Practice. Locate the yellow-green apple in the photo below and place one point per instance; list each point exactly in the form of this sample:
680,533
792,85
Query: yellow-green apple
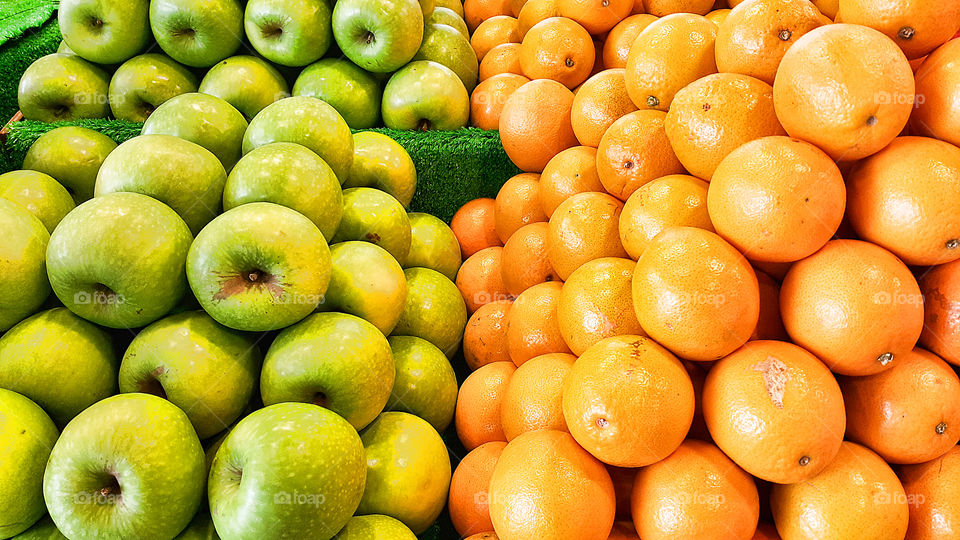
23,270
366,281
425,95
197,33
445,15
39,193
382,163
104,32
289,32
375,527
60,87
446,45
44,529
143,83
375,216
434,311
246,82
454,5
376,37
433,245
72,156
425,385
353,92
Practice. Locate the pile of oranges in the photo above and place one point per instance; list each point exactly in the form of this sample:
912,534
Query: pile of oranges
722,301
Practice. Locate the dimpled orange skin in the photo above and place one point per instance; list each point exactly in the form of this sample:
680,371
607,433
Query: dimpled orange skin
490,96
557,48
777,199
535,394
545,486
851,304
717,16
941,311
596,16
595,303
933,489
776,410
477,416
535,124
677,200
856,496
584,227
535,11
616,47
504,58
526,261
477,11
919,220
480,278
633,151
492,32
917,26
628,401
695,494
751,39
475,226
669,54
695,294
468,498
518,204
598,103
938,81
715,115
847,89
485,337
532,328
662,8
907,414
570,172
829,8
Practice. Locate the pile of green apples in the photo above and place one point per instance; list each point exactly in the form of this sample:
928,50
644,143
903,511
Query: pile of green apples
405,64
244,318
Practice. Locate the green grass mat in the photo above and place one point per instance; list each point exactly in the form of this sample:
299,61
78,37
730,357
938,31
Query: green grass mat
17,55
19,16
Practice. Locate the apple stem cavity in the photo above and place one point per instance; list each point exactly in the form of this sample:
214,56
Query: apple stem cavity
110,492
272,31
424,125
320,399
246,280
368,37
153,386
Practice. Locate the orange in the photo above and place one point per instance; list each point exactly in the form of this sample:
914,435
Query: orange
909,413
557,48
769,325
715,115
856,496
477,415
628,401
477,11
518,204
492,32
669,54
695,294
468,500
623,486
918,220
633,151
933,493
616,47
676,200
480,278
583,228
776,410
917,26
938,81
526,259
474,226
516,6
534,395
572,171
847,89
662,8
485,337
488,535
599,102
755,35
535,124
547,487
854,305
490,96
766,531
776,270
504,58
717,16
829,8
941,327
535,11
695,493
623,530
532,328
777,199
595,303
596,16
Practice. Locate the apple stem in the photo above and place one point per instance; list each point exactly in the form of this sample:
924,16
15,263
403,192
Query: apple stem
369,37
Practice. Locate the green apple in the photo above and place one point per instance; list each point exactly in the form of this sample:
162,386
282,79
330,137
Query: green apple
60,361
204,368
307,121
118,260
60,87
375,216
382,163
434,311
433,245
454,5
378,37
64,49
289,33
449,17
291,175
104,32
375,527
353,92
200,528
45,529
71,155
143,83
405,456
427,7
26,437
425,95
39,193
197,33
291,470
246,82
334,360
185,176
366,281
129,466
258,267
446,45
23,270
201,119
425,384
